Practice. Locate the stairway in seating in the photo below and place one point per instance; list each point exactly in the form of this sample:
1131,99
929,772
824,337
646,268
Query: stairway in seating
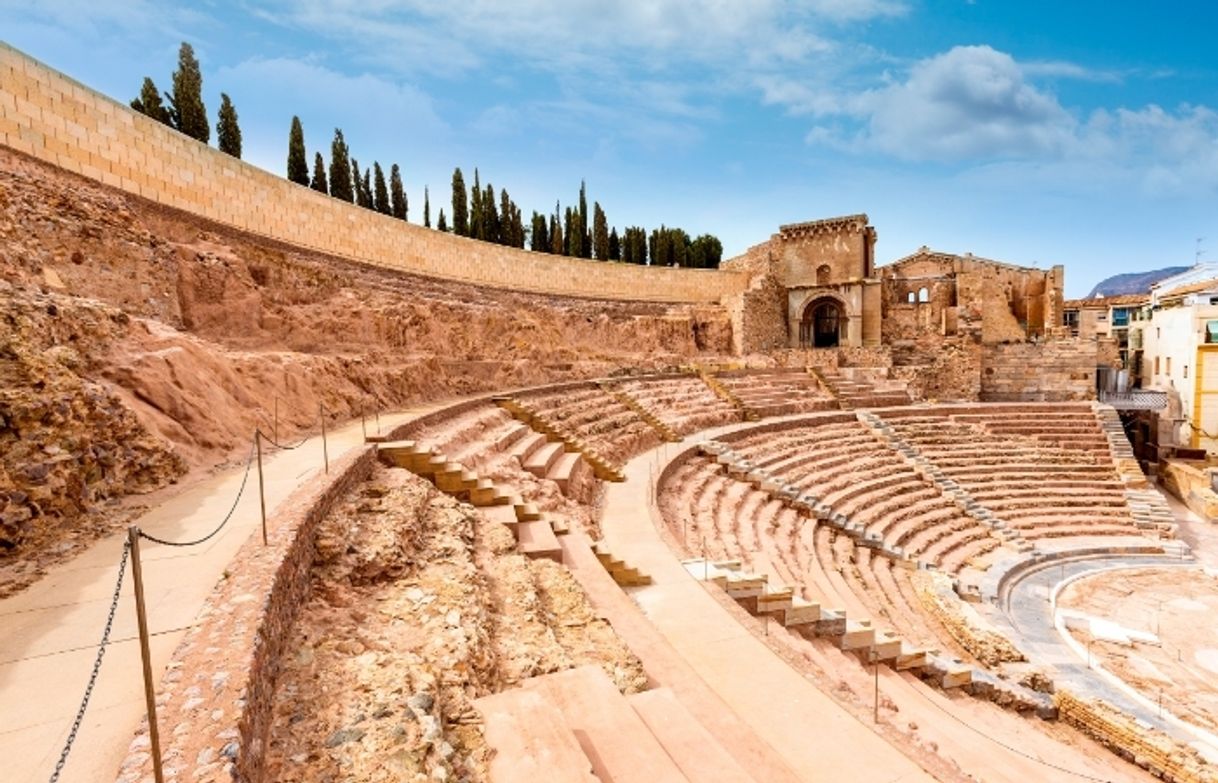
602,468
724,393
624,574
666,433
950,488
810,619
535,533
852,394
575,725
1146,505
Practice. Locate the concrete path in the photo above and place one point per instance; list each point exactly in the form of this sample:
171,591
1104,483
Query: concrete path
815,737
49,633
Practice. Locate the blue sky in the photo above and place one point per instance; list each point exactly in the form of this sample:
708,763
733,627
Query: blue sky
1078,133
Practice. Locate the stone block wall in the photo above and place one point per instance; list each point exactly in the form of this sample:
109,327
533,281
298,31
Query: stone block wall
46,115
215,701
1050,371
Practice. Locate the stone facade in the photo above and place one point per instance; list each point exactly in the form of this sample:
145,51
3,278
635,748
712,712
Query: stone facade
1027,372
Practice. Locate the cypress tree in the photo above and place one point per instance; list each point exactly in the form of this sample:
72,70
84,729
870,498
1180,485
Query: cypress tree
585,247
539,240
556,243
426,209
366,189
186,99
615,246
298,164
460,213
319,174
600,232
441,225
477,224
571,225
491,230
397,194
380,193
356,183
228,132
340,169
149,103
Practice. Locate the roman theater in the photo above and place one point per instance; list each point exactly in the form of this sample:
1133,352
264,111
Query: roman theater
808,516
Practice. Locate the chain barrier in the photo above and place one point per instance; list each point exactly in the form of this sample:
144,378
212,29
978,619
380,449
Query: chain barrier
97,662
248,462
286,447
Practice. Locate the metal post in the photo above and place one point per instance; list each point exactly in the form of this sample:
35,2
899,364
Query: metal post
261,488
275,432
378,420
325,450
875,669
141,615
362,426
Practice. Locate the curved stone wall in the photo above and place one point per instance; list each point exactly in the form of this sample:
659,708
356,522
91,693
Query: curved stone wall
53,118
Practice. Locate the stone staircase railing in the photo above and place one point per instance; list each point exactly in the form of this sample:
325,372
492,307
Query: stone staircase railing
1149,510
666,433
602,468
724,393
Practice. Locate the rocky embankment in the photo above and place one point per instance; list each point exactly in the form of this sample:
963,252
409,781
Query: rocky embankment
139,343
419,606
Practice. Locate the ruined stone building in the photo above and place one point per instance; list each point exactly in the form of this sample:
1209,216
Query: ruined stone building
816,285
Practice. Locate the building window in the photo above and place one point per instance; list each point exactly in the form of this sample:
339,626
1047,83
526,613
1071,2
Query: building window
1211,331
822,274
1186,371
1120,317
923,294
1156,365
912,297
1167,364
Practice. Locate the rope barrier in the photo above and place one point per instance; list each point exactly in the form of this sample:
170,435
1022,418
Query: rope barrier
248,462
97,662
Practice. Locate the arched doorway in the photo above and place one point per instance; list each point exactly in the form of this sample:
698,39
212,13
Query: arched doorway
821,326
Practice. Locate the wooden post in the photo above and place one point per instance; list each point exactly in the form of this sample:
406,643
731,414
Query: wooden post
261,487
325,450
141,615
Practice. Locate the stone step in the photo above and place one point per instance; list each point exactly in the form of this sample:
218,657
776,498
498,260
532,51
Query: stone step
531,740
612,735
696,752
543,458
535,539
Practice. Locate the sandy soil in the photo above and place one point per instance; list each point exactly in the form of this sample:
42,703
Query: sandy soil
1178,606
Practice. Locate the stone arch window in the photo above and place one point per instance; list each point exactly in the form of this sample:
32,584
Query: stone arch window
923,294
912,297
822,274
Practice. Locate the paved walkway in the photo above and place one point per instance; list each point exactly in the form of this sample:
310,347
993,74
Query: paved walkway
817,738
49,633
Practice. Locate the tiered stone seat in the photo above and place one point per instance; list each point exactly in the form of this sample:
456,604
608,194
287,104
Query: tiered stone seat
595,416
684,402
1072,427
1035,486
855,475
777,392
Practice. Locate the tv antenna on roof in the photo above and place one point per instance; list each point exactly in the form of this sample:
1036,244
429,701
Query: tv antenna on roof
1198,252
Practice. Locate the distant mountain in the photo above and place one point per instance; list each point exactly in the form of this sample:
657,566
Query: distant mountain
1133,282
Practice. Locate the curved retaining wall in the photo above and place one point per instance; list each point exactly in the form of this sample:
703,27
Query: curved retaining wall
54,118
215,702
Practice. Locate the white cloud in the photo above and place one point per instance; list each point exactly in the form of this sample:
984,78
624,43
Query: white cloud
971,101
